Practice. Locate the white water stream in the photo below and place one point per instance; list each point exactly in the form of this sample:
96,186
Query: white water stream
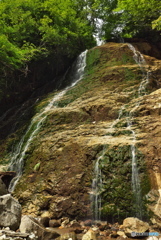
97,180
20,153
96,187
97,35
139,59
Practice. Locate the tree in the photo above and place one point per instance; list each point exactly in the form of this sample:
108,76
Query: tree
33,31
139,17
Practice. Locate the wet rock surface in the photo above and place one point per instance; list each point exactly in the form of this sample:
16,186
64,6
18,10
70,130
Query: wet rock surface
84,124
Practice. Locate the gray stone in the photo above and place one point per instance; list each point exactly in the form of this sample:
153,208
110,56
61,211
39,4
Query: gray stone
10,212
90,235
13,234
132,224
31,225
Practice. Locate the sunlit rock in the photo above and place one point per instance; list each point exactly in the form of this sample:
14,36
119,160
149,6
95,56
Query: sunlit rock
10,212
132,224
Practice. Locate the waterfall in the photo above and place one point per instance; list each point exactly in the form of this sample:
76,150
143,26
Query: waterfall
139,59
96,186
99,24
97,179
20,153
135,176
97,175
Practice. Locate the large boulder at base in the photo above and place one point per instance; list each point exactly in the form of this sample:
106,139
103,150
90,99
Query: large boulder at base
10,212
31,225
90,235
3,189
132,224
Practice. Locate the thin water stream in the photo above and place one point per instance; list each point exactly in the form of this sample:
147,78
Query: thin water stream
139,59
97,179
19,155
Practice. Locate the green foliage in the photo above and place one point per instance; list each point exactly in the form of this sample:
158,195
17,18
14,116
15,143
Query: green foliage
31,31
139,17
36,167
44,24
157,23
128,18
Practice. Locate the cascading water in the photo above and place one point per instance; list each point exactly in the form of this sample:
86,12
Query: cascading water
97,180
97,36
139,59
18,156
96,186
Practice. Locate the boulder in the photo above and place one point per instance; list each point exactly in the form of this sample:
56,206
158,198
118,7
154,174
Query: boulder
3,189
45,221
132,224
10,212
65,221
122,234
68,236
31,225
88,222
90,235
54,223
75,224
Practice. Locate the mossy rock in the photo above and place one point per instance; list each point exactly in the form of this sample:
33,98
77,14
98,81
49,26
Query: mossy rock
118,200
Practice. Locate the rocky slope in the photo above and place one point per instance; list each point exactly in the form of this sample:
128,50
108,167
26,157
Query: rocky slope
97,117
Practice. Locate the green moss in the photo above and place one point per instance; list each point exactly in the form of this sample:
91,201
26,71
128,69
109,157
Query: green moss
118,200
122,132
93,59
99,70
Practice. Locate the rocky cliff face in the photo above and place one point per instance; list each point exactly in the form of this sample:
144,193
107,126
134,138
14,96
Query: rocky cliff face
103,115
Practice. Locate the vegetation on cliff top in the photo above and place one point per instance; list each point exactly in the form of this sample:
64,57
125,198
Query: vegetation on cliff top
39,39
32,31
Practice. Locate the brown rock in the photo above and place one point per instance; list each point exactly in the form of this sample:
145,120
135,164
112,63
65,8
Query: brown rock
90,235
88,222
6,177
67,236
74,135
103,227
3,188
134,225
45,221
54,223
78,230
114,234
75,224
